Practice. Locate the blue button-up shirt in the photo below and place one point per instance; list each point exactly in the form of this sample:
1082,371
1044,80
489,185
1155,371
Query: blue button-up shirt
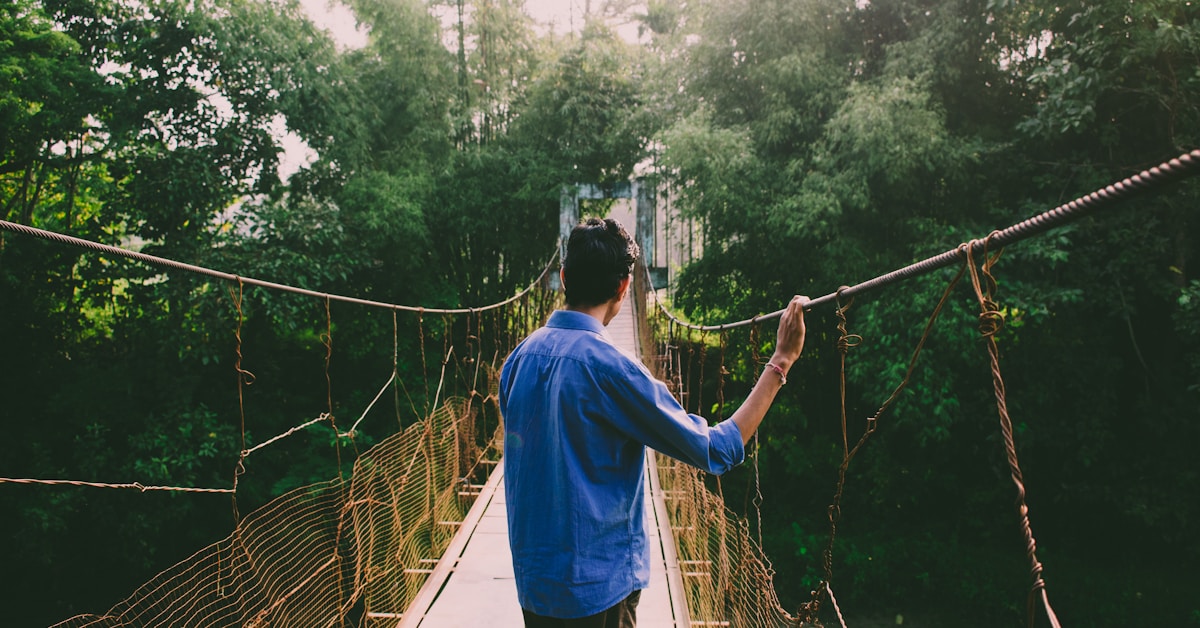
578,413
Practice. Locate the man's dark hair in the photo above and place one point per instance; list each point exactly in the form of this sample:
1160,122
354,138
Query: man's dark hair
600,254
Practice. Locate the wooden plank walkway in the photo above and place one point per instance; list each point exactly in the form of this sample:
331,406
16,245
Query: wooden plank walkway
473,585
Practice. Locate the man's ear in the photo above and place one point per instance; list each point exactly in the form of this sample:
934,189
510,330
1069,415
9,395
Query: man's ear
623,287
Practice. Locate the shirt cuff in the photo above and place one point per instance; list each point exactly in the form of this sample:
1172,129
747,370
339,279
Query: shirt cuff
726,449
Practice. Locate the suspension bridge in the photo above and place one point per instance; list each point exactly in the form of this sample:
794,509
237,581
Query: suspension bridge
415,534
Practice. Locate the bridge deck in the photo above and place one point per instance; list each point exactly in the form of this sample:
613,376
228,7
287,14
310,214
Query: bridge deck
473,583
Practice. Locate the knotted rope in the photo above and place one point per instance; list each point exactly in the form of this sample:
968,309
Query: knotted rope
991,321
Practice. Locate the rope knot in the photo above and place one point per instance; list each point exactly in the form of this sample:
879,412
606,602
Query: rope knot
247,377
1036,573
846,341
991,320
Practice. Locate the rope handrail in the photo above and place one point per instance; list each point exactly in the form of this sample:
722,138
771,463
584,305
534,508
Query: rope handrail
137,485
201,270
1184,165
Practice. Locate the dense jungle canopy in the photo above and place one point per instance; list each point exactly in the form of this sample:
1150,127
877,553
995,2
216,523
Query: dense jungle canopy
815,143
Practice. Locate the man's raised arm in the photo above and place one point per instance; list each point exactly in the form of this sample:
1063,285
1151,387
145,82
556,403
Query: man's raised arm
788,346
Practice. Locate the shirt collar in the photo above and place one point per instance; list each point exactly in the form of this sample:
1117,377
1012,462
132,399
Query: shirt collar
566,319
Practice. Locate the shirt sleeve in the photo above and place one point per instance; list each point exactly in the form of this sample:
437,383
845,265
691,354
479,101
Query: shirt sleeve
645,410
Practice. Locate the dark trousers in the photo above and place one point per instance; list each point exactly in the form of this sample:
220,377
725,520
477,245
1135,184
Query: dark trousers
623,615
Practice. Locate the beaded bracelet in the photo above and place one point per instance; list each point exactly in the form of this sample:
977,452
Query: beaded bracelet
779,371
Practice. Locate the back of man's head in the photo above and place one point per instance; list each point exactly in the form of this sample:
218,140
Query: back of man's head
600,254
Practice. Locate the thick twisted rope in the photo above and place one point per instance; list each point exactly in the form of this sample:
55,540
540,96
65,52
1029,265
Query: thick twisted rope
1187,164
991,320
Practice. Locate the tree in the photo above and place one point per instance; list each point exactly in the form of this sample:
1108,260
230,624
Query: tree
844,141
503,59
582,111
46,84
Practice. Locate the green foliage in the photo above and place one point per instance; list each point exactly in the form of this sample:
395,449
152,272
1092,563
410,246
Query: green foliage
384,211
1121,73
818,143
46,84
874,136
890,131
1187,321
494,76
583,110
402,85
189,446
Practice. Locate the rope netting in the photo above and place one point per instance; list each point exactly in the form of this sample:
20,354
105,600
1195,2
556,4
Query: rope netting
354,550
729,580
336,553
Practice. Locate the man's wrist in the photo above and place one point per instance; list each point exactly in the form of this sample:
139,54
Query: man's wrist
778,370
782,362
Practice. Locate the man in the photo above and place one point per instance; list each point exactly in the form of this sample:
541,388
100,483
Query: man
578,413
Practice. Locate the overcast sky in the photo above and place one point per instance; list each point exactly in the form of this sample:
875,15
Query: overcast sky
340,21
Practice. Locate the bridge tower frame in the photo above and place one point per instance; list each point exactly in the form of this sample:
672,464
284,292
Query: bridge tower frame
642,190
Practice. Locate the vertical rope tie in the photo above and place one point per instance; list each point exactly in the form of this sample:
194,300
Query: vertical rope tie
991,321
700,382
675,362
808,611
471,338
756,361
845,342
396,370
722,341
669,372
691,352
424,367
722,372
327,340
244,378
